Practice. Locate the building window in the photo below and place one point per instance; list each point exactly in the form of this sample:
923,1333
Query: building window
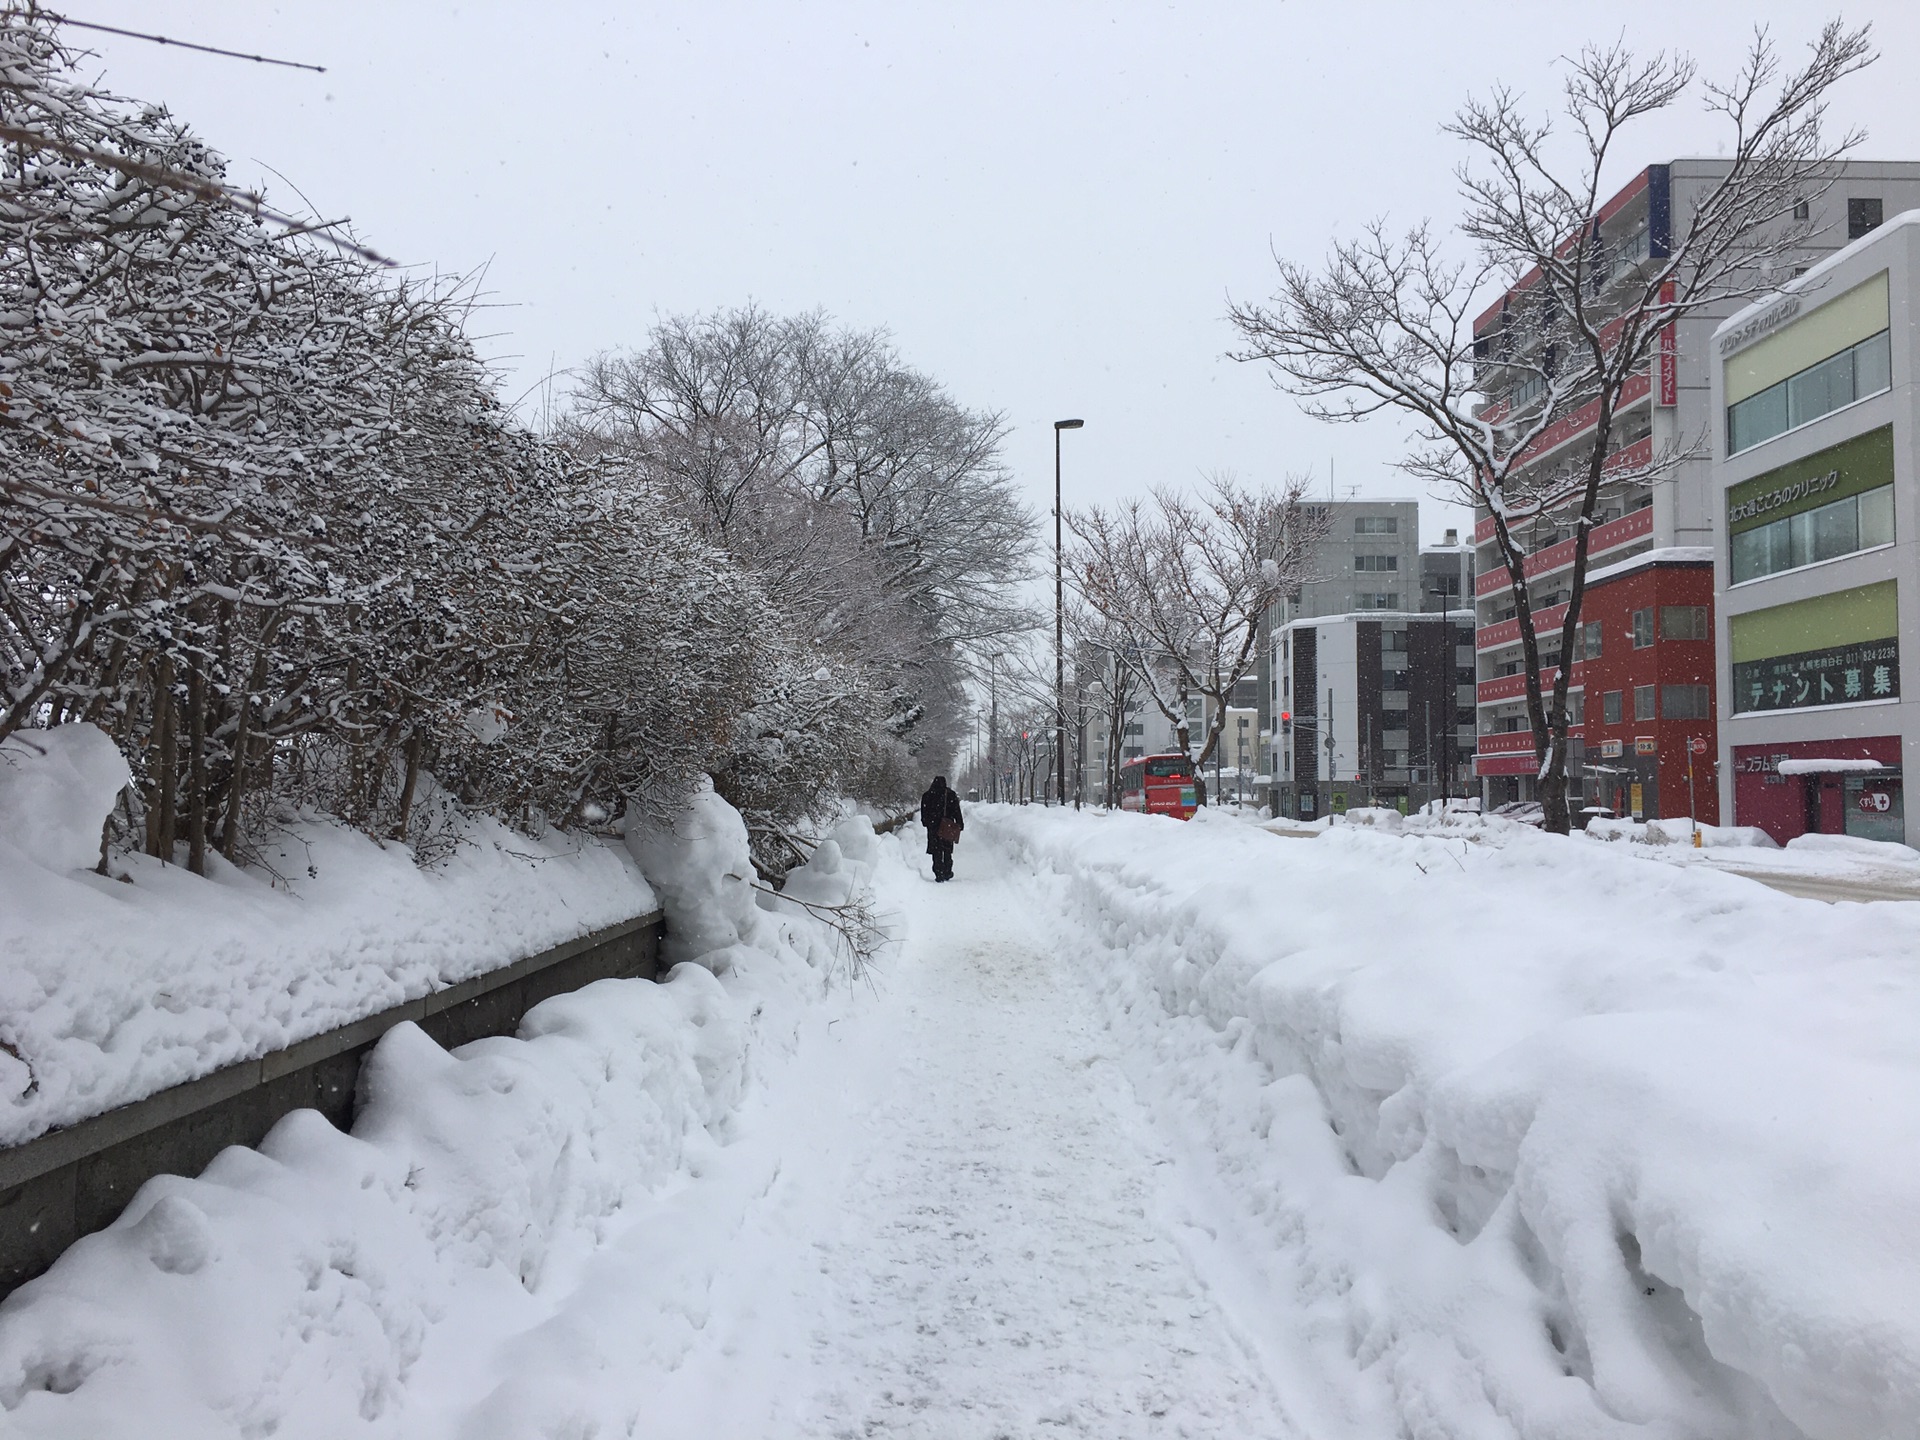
1377,600
1685,702
1610,707
1800,210
1859,522
1577,708
1393,639
1642,629
1376,562
1376,525
1589,644
1858,371
1135,730
1683,622
1863,214
1643,703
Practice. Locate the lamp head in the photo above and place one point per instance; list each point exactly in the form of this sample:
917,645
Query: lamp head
1068,424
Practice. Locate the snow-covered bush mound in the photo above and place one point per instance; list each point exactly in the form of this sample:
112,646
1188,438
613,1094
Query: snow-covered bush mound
1547,1141
115,986
328,1285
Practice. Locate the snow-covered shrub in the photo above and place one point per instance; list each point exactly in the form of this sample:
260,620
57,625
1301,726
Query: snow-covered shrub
269,526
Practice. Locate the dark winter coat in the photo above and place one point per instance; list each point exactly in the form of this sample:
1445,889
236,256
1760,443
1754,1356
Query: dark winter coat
941,802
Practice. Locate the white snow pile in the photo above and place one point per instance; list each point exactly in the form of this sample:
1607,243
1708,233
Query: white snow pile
329,1284
1854,847
1542,1141
114,987
1679,831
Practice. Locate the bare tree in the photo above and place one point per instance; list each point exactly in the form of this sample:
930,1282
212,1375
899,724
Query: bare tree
1386,323
874,512
1179,585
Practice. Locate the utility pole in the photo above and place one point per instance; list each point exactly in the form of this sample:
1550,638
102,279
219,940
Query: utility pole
1059,629
1333,775
1428,757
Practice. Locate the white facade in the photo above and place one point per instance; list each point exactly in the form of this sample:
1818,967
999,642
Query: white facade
1817,544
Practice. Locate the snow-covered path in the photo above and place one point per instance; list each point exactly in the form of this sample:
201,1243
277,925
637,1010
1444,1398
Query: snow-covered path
956,1222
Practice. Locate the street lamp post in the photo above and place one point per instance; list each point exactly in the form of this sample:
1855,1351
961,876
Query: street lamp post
993,724
1059,630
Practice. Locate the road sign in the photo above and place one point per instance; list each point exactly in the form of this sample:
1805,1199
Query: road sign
1698,745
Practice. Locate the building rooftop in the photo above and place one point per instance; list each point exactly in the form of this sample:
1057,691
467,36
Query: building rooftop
1799,284
1668,555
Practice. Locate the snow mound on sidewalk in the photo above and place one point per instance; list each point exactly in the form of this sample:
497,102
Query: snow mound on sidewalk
114,988
56,789
329,1284
1679,831
1546,1141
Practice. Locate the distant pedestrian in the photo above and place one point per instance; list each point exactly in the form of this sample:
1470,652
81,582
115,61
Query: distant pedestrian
940,813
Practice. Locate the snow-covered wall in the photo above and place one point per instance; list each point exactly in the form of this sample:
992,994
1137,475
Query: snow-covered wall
1547,1140
328,1284
115,986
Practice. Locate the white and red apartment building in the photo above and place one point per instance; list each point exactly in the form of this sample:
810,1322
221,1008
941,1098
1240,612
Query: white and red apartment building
1642,688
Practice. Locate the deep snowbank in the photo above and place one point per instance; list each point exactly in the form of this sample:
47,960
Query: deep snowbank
329,1284
113,989
1551,1141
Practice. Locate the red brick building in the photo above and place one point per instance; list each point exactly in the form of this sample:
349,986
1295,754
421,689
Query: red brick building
1646,682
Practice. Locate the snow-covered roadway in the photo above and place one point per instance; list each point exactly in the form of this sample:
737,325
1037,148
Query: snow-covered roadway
955,1221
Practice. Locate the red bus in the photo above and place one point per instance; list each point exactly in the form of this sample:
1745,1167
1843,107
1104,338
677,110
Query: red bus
1159,785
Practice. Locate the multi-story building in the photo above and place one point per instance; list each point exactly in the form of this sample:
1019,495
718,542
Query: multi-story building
1666,528
1816,399
1367,560
1446,575
1367,709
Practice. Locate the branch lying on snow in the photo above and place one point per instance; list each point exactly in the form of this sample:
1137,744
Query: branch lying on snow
853,922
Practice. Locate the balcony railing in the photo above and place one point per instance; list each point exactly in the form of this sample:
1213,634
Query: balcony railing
1635,525
1625,458
1507,632
1512,687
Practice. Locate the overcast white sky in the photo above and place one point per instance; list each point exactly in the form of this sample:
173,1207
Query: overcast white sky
1046,204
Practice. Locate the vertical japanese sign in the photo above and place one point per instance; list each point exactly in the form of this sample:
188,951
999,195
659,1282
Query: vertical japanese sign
1667,364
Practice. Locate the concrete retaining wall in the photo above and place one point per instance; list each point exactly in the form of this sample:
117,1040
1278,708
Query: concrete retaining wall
71,1182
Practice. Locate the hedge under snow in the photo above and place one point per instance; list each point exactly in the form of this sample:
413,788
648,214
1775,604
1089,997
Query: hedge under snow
113,988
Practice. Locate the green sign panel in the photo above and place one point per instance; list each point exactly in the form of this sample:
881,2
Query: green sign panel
1861,464
1838,675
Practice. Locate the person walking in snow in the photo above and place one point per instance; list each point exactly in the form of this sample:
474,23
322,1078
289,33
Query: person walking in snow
940,814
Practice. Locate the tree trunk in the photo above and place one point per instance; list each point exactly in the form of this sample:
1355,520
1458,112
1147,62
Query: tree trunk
197,770
163,812
406,789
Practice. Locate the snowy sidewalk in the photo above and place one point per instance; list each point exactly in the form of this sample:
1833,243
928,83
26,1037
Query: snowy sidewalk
967,1227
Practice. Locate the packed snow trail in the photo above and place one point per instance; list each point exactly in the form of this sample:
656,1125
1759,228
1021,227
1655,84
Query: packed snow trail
969,1228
